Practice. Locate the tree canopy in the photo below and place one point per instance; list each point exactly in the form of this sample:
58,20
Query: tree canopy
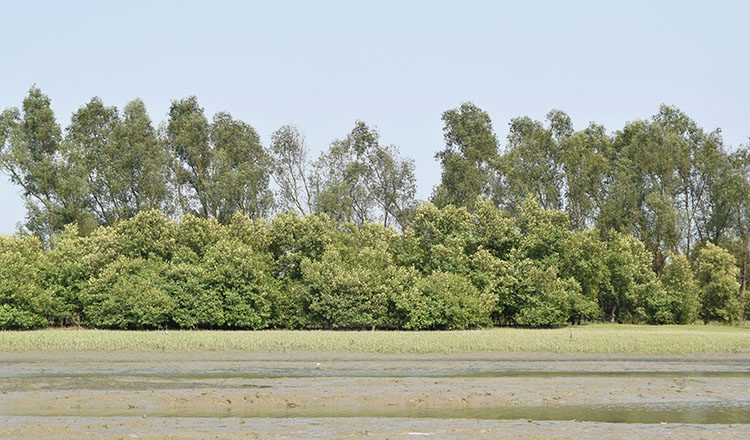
195,223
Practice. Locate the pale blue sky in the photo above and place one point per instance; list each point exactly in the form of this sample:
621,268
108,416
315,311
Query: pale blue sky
396,65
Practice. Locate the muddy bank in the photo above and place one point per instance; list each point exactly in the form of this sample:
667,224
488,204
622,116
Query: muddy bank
363,428
304,395
380,397
15,364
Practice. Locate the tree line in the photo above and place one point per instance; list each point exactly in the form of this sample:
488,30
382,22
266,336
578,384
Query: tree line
195,224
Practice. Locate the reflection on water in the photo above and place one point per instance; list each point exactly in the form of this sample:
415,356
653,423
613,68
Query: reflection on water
635,413
649,413
278,373
705,413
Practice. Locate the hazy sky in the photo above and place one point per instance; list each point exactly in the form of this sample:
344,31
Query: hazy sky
396,65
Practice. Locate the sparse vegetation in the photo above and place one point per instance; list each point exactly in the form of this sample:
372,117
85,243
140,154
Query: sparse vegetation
597,338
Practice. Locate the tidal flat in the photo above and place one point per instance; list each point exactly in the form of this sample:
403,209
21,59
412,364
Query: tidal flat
258,395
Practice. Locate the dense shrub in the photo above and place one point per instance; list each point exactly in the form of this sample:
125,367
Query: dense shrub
544,233
451,269
716,272
679,302
591,224
445,301
438,239
292,238
69,266
631,282
495,230
150,234
24,303
130,293
253,233
354,283
196,304
195,235
240,278
584,259
536,297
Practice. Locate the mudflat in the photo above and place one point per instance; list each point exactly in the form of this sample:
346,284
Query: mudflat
227,395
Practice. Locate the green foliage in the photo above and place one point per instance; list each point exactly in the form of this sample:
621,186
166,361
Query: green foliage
254,233
291,170
31,155
220,167
143,181
293,238
150,234
445,301
357,180
716,272
196,304
495,230
354,283
129,293
471,150
584,258
24,303
241,278
536,297
543,232
195,235
438,239
631,281
69,266
120,165
108,166
648,224
240,170
450,269
680,301
532,164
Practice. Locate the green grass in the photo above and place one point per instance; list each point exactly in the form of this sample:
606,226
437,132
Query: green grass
599,338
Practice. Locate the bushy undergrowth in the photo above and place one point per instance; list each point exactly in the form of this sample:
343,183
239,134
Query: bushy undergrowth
450,269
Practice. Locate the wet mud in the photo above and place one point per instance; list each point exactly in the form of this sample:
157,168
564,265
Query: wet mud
334,395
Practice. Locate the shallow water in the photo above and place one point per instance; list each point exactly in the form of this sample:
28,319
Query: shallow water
700,394
700,413
312,373
663,413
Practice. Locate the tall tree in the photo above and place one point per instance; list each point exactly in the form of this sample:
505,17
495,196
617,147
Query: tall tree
468,157
646,185
339,178
291,169
240,170
737,192
187,136
670,184
221,167
360,180
587,162
701,167
30,154
144,162
90,149
532,163
122,165
392,182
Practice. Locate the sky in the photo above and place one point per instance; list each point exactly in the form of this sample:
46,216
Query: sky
397,65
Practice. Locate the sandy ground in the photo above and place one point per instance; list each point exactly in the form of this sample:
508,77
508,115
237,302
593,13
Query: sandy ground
327,395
